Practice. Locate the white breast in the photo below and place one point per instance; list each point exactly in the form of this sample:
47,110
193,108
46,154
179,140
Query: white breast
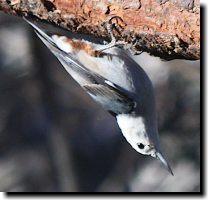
112,69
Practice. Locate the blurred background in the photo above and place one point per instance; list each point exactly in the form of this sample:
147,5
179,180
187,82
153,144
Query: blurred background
55,138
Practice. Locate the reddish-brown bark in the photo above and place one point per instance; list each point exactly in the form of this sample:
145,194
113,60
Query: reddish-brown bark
166,28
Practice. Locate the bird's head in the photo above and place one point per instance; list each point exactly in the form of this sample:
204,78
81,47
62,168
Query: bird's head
142,138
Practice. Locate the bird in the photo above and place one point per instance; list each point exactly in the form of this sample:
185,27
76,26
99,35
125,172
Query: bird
115,81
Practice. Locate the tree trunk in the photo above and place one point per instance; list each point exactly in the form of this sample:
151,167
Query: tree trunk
169,29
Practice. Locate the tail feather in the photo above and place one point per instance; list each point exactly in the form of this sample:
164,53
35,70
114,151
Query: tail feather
39,31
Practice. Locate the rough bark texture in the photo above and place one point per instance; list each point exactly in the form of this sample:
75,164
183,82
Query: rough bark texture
166,28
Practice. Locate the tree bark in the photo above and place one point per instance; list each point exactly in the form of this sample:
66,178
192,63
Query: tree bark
169,29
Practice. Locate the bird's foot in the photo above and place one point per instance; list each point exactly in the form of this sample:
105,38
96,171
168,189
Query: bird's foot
110,26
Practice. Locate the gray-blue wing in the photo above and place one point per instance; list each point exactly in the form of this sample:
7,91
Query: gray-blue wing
112,97
103,91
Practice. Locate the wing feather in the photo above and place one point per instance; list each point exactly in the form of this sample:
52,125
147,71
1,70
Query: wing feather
112,97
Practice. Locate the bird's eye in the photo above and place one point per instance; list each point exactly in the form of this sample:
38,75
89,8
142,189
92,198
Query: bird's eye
141,146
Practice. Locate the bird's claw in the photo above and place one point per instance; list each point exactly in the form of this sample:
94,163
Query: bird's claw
110,27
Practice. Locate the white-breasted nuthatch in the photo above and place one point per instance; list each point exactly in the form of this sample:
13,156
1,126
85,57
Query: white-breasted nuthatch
113,79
